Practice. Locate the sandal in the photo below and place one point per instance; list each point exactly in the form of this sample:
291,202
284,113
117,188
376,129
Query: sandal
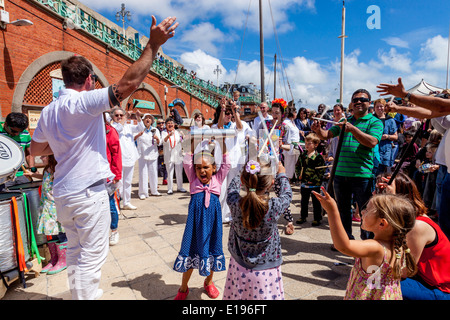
211,290
182,295
289,229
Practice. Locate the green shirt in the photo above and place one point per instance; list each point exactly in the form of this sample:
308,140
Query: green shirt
356,160
23,139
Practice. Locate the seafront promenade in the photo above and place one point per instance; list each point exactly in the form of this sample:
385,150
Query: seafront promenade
139,267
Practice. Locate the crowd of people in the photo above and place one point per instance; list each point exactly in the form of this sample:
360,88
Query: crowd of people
375,166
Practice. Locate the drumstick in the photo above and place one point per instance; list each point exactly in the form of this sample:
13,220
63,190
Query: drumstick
265,142
28,177
320,119
322,167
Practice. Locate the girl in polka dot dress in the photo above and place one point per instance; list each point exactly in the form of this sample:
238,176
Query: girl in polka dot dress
201,247
254,271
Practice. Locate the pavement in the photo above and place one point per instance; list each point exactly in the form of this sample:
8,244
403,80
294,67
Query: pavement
139,267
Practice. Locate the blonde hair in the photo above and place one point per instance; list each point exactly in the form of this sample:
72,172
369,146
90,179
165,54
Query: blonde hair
381,100
401,216
253,206
314,138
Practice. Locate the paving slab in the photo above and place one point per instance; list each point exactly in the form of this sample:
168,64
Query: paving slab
139,267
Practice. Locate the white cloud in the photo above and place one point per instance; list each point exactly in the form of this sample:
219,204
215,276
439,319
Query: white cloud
204,36
434,53
306,71
395,60
396,42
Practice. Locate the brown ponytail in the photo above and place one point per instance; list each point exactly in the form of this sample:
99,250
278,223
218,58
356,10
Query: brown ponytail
253,206
401,215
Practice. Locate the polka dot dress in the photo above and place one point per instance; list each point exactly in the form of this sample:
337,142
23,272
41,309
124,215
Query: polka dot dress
201,247
248,284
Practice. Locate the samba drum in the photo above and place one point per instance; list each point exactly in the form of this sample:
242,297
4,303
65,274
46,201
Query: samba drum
217,133
12,251
11,158
33,199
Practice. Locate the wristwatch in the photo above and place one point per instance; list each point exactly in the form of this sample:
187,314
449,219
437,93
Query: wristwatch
33,169
406,98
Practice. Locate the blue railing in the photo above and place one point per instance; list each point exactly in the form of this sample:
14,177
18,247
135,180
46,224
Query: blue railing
203,90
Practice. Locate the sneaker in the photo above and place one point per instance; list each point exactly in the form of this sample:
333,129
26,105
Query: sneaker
157,194
300,221
98,294
129,206
164,182
182,190
114,238
142,197
169,192
315,223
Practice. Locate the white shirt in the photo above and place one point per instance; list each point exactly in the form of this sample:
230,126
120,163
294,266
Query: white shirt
173,152
126,136
233,146
257,122
147,145
292,135
73,127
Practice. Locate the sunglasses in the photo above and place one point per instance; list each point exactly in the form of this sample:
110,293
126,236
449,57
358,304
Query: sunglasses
356,100
14,131
94,77
118,115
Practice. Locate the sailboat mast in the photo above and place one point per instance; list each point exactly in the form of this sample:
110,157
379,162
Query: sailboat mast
342,36
448,55
275,78
261,50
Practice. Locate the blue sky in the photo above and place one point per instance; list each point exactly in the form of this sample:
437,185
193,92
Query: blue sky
411,42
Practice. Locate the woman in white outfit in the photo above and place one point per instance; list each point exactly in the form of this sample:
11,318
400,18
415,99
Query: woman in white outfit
148,141
126,132
173,157
292,135
226,112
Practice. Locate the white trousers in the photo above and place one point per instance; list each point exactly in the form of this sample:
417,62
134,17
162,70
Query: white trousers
86,219
148,176
289,163
178,168
127,178
226,212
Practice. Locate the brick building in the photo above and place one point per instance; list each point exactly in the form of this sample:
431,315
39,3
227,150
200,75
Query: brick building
30,76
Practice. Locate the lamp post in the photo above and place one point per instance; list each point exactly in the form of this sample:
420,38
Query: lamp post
217,71
120,15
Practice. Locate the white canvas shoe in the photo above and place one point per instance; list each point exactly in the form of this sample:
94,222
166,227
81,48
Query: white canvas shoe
129,206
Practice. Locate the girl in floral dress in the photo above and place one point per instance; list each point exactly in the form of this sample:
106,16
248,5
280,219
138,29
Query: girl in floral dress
254,271
48,223
379,262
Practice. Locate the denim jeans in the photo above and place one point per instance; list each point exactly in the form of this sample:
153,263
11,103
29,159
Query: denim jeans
444,207
347,190
114,208
416,289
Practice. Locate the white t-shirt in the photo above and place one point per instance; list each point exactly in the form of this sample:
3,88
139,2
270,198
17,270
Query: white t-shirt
73,127
147,145
126,136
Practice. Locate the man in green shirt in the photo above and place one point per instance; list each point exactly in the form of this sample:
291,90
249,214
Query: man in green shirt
353,176
14,127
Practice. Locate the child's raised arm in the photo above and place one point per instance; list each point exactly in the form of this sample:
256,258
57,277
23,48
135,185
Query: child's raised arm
353,248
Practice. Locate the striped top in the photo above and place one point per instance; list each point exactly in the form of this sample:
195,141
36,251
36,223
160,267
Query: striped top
356,160
23,139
